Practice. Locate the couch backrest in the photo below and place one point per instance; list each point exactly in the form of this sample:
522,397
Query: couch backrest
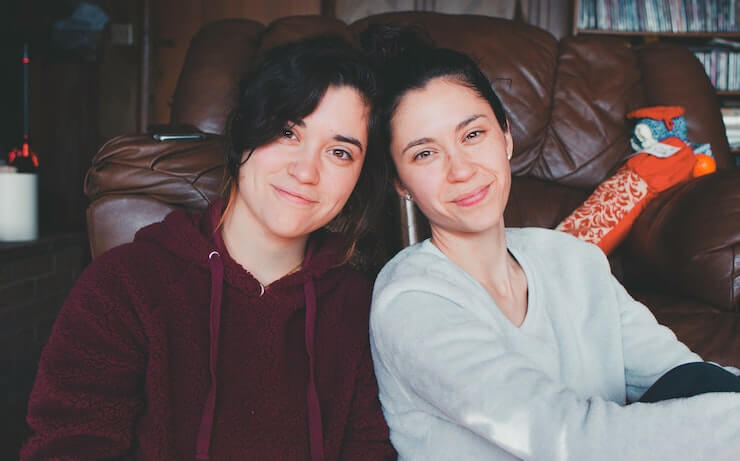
566,102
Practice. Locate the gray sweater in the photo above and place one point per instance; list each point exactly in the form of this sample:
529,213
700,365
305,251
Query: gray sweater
458,381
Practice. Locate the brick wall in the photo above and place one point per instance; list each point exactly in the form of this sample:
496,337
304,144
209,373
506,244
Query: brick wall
35,278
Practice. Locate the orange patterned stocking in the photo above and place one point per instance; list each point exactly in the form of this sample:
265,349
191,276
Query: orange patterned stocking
607,215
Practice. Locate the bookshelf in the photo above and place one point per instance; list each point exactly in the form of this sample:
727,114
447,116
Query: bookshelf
710,28
662,17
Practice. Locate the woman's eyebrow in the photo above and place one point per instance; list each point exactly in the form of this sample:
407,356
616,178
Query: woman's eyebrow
416,143
339,137
350,140
459,127
467,121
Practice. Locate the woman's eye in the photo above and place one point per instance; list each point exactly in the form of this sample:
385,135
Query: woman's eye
422,155
288,133
341,154
474,134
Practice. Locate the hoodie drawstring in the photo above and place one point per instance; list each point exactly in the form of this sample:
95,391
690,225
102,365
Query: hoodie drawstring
209,408
315,429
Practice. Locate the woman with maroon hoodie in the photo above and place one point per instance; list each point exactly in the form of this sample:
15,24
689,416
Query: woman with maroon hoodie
238,333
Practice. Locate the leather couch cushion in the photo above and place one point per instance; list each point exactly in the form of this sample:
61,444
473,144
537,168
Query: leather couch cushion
294,28
110,221
217,58
710,332
687,241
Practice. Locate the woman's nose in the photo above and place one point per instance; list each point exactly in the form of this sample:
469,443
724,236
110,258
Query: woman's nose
305,167
459,167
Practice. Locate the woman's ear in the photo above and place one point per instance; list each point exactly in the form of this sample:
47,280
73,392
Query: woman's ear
401,190
509,144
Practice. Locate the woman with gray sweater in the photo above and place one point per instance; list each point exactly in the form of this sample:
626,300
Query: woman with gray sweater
495,343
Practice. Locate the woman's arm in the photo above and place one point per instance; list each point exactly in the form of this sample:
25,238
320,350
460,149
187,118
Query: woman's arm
650,349
367,436
435,356
89,387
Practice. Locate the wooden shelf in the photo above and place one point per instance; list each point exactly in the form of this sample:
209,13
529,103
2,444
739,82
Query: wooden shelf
639,33
688,39
645,33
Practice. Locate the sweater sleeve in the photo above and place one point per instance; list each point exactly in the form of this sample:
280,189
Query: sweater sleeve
367,436
89,386
438,358
650,349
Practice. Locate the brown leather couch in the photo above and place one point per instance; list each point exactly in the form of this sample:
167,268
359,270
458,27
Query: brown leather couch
566,101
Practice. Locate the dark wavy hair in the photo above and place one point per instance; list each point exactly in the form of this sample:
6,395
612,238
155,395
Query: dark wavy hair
407,60
287,84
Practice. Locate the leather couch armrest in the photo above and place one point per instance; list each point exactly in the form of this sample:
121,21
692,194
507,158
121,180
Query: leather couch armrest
687,241
186,173
136,180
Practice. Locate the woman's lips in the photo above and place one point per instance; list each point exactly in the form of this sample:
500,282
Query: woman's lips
293,196
474,197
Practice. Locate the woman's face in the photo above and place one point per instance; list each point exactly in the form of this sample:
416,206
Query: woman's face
452,156
300,181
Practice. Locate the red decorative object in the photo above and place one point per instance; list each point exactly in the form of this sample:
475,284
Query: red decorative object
664,113
23,158
704,165
606,217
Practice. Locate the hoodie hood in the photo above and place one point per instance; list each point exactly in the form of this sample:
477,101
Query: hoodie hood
191,237
195,239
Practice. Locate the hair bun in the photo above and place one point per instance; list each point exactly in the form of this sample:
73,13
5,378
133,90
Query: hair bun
385,43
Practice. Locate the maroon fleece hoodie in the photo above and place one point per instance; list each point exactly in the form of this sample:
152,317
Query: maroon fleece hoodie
166,347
